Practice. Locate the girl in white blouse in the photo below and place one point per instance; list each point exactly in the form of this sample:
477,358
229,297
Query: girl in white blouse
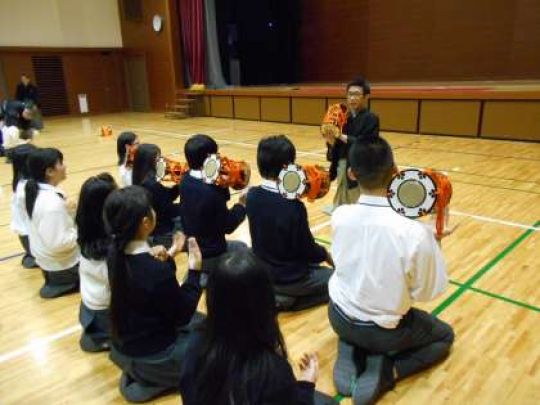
94,242
124,141
19,216
51,231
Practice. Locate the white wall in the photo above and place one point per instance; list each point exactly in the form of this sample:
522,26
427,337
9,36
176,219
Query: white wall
60,23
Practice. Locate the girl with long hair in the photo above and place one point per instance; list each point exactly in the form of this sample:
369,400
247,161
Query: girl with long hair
162,197
239,356
94,242
19,216
123,142
52,233
150,310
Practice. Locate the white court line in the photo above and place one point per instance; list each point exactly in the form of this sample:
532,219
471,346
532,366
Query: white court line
222,141
495,221
321,154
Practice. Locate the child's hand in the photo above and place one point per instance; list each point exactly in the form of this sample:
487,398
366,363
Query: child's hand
178,244
160,253
194,255
243,197
309,367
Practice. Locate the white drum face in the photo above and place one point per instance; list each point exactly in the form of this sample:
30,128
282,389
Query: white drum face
412,193
211,168
161,169
292,182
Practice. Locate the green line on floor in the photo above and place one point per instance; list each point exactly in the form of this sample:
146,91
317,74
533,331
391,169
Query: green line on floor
473,279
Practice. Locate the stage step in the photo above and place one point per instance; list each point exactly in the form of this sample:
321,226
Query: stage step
185,100
176,114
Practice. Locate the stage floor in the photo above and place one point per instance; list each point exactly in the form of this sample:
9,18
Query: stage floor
486,109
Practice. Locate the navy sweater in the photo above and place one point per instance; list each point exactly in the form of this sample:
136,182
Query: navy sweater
205,215
156,306
280,235
162,202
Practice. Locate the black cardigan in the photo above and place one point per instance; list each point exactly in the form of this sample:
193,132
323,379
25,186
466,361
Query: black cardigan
205,215
162,201
280,235
365,125
156,305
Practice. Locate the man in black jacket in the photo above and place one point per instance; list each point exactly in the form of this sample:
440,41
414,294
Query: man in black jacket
27,93
361,124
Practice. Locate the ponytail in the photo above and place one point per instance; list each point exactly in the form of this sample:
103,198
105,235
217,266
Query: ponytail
124,139
39,160
144,165
117,272
19,159
31,190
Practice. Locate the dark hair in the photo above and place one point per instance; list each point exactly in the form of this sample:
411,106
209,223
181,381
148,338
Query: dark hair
39,160
19,160
273,153
197,149
242,333
144,164
123,212
124,139
91,235
360,82
372,162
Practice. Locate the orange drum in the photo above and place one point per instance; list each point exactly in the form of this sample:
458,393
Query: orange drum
225,172
444,195
169,169
311,181
105,131
415,193
333,122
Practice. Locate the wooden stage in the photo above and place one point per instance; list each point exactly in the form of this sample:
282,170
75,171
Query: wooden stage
493,301
496,110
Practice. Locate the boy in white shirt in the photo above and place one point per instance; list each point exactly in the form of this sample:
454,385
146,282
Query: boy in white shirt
384,263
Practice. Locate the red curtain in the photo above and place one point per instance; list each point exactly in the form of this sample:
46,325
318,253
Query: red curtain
192,21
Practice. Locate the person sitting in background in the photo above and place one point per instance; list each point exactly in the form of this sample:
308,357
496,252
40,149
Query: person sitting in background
280,233
94,243
17,124
19,215
238,356
150,311
162,197
52,232
124,141
203,207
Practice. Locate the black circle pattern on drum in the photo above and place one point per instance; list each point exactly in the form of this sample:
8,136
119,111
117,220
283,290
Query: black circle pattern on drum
292,182
161,169
412,193
211,168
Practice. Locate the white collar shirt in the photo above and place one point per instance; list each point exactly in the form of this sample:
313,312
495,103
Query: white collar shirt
384,262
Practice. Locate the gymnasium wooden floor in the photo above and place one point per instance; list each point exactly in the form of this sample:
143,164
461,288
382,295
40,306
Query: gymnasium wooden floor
493,260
